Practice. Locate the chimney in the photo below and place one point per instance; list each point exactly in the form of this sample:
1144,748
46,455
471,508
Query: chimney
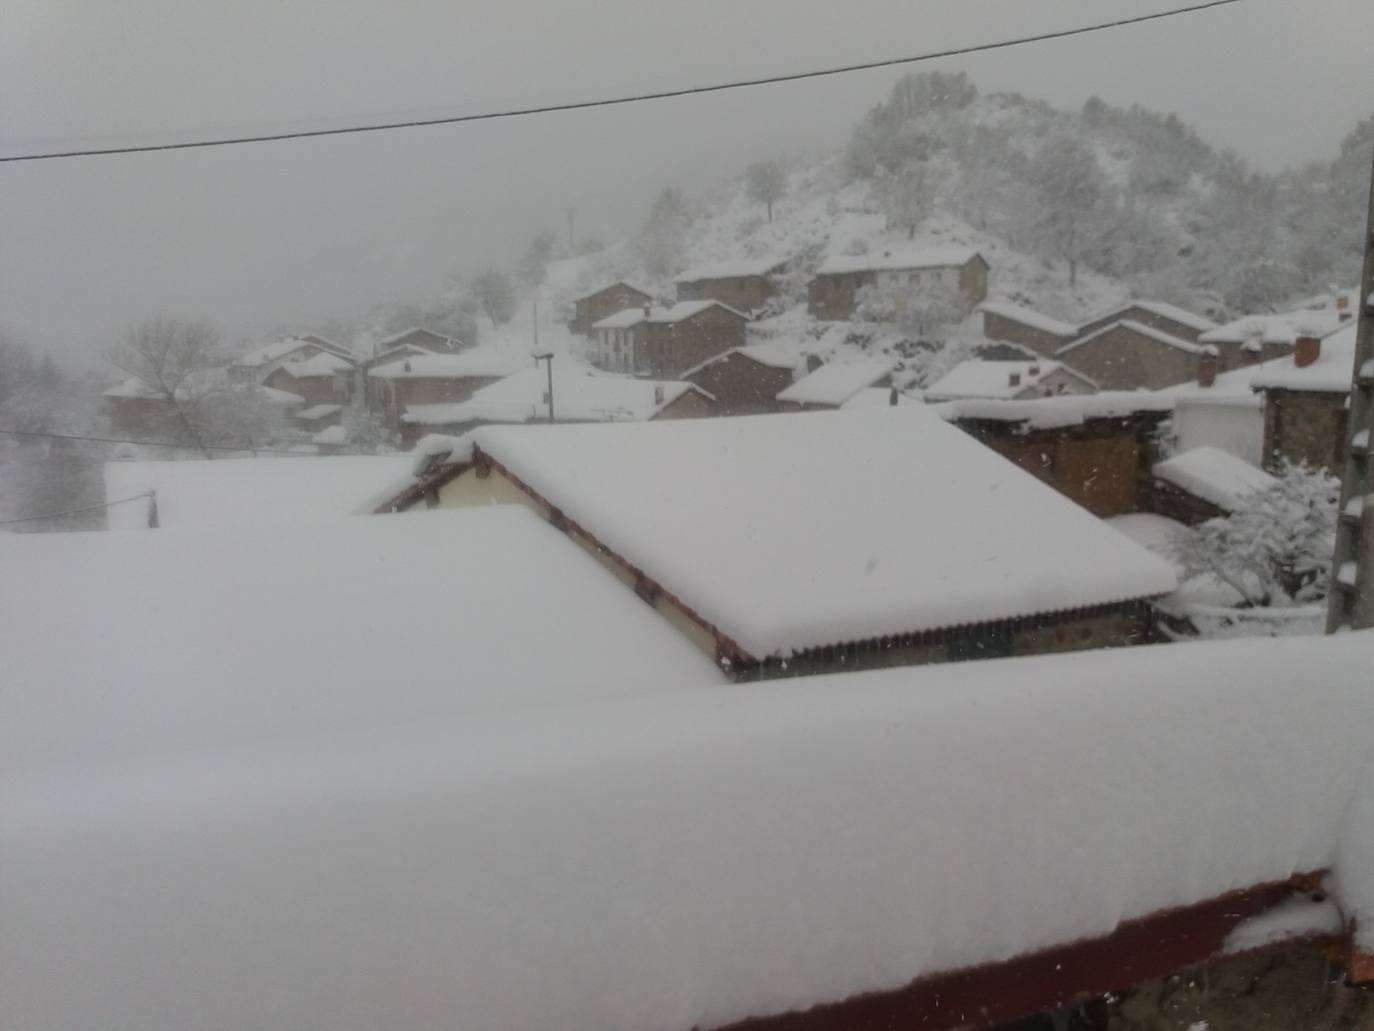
646,311
1207,367
1342,301
813,362
892,397
1013,379
1306,350
658,393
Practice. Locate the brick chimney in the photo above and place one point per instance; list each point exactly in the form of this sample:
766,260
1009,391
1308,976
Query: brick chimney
1013,379
1305,350
892,397
1207,367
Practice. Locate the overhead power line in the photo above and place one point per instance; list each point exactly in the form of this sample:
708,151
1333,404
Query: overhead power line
578,105
74,511
156,443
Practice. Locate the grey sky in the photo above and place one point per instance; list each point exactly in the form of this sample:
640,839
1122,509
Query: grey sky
294,232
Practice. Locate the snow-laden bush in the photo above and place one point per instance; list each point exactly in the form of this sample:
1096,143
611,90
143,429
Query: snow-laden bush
1275,550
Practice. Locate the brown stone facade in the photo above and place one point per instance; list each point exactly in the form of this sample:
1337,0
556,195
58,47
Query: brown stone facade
743,293
742,386
1103,464
1121,358
833,296
665,350
1042,342
1307,427
313,390
604,303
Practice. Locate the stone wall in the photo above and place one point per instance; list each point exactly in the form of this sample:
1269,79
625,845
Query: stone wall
1305,426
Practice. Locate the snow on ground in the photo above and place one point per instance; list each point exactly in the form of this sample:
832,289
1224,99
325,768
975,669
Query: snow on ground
183,640
790,532
686,859
246,492
1214,475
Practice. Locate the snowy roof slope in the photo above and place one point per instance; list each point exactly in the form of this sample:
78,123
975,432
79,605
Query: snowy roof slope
269,353
322,364
739,268
1214,475
244,492
1231,387
269,633
481,363
318,411
1051,412
978,377
628,317
876,397
834,383
1275,329
791,532
331,435
1135,327
689,859
897,258
578,396
1330,373
1169,311
1029,317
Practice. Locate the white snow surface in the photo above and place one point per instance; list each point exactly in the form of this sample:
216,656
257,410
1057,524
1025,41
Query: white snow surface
1295,919
318,411
1214,475
1158,335
1330,373
579,395
1043,413
331,435
686,859
834,383
795,531
628,317
1029,317
480,362
244,492
897,257
1156,532
738,268
979,377
183,640
1275,329
1165,310
877,397
268,353
1231,387
322,364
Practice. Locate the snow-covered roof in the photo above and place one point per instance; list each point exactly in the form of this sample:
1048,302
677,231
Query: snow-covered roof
736,269
1330,373
792,532
1029,317
246,492
322,364
877,397
683,860
1045,413
318,412
979,377
1283,328
198,383
897,258
268,633
396,338
1163,309
1231,387
331,435
268,353
479,363
1214,475
834,383
1157,335
274,396
628,317
1158,533
578,396
612,286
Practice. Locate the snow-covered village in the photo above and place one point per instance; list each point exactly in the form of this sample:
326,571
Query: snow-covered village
896,560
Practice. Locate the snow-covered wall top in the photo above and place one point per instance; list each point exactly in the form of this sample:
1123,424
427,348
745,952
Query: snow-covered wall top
835,382
1214,475
798,531
688,859
1052,412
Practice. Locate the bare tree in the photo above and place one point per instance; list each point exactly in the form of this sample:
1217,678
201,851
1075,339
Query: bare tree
766,181
908,196
493,291
167,356
1071,188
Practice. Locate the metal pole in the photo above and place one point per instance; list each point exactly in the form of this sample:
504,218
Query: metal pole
1351,605
548,364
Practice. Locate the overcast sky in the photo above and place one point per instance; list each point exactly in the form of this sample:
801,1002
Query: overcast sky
260,235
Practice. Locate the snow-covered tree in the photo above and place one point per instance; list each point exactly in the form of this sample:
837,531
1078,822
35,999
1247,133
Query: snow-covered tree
533,266
1071,187
765,182
495,295
662,234
1276,548
908,196
171,357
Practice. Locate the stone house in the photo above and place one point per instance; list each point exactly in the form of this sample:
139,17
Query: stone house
745,285
323,378
783,546
1009,380
1168,318
1255,339
422,338
257,365
1197,485
1017,325
428,379
1306,399
747,380
1098,450
1131,356
666,342
605,302
958,273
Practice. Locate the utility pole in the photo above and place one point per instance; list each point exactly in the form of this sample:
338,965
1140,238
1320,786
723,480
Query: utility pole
1352,571
542,355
